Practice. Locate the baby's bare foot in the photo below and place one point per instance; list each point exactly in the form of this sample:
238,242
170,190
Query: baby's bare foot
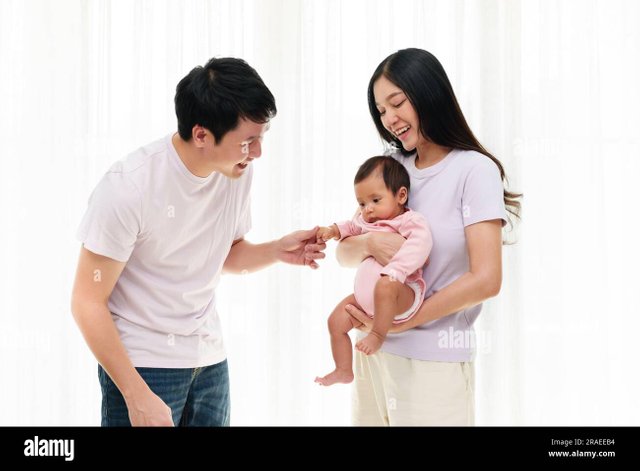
336,376
370,344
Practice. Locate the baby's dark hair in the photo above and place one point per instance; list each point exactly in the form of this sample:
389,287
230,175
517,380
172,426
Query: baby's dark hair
394,174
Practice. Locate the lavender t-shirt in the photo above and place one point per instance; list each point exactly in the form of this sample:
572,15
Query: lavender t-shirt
462,189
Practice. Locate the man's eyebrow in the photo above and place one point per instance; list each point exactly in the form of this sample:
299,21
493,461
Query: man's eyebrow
390,96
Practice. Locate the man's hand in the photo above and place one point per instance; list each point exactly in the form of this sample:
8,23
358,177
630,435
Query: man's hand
148,410
300,248
326,233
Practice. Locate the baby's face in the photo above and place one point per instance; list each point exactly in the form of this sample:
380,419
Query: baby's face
376,200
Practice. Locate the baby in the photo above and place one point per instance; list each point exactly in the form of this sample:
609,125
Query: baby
394,292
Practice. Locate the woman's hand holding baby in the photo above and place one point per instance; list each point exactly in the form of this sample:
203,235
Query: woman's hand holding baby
383,246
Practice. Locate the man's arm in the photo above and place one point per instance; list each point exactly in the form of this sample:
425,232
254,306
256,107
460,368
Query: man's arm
297,248
245,257
95,278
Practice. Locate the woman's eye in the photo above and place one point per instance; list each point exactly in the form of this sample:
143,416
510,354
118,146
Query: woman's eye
381,112
398,105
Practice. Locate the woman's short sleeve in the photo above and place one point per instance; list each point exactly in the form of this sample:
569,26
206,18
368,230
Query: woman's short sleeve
483,194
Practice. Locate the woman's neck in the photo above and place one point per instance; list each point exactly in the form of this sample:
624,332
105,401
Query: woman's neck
430,153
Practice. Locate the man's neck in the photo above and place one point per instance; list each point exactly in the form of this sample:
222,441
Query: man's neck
191,157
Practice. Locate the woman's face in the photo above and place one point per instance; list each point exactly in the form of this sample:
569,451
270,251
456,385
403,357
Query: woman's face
397,113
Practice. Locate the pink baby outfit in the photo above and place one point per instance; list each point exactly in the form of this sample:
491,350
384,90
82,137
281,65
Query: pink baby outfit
405,266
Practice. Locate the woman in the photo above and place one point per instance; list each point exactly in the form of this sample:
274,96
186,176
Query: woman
423,374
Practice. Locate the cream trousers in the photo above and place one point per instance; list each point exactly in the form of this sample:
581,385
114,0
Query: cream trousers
393,390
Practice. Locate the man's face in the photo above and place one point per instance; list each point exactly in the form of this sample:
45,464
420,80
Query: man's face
237,148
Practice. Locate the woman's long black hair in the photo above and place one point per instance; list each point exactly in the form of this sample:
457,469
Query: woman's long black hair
423,80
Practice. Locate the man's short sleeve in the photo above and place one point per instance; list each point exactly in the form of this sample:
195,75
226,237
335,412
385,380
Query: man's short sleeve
112,222
482,195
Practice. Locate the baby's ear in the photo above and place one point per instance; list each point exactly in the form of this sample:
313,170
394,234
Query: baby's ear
402,195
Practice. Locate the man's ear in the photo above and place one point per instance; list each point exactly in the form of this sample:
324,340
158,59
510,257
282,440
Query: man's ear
199,135
402,195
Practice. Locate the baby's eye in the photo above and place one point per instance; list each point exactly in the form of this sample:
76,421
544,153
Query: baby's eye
361,205
376,200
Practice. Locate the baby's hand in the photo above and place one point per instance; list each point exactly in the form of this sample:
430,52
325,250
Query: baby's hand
326,233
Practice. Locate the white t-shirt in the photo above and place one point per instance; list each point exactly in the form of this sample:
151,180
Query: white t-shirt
174,230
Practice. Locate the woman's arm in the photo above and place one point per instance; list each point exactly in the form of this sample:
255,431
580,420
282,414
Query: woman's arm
380,245
352,250
481,282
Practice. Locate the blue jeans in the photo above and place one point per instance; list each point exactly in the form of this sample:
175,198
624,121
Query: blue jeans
198,397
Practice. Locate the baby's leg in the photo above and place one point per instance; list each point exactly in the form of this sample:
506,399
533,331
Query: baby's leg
340,323
391,298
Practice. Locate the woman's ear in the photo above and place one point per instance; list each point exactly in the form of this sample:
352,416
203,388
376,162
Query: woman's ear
402,195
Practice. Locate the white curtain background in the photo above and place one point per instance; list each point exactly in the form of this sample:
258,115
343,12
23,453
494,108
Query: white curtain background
549,86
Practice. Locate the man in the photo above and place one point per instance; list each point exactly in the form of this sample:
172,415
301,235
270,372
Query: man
161,226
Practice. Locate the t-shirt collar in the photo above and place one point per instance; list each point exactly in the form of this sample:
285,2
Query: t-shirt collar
433,169
181,167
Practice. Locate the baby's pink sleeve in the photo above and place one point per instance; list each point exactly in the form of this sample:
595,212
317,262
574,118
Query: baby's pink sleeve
414,252
348,229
